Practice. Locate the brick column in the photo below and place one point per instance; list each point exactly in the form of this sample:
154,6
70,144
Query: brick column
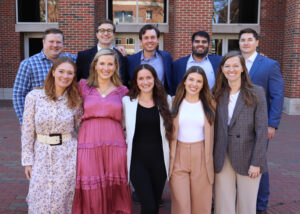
77,21
185,18
291,57
10,43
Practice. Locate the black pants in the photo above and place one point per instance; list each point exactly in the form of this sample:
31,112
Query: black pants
148,180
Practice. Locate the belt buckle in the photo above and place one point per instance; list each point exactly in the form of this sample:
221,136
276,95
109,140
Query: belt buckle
60,139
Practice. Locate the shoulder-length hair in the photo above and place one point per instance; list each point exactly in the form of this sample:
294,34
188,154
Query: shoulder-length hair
74,98
222,83
159,97
205,95
92,80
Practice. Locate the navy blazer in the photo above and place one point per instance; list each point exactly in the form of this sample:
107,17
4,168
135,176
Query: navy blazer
85,58
134,60
180,67
266,73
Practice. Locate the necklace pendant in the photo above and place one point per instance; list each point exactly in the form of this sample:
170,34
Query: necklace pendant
103,95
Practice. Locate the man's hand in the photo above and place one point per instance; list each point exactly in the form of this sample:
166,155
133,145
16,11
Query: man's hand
271,132
254,171
28,170
122,50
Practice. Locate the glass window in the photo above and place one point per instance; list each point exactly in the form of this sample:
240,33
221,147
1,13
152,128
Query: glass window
37,11
118,41
235,11
141,11
149,15
217,47
123,17
130,41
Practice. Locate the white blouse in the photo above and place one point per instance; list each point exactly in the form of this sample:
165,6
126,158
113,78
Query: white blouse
232,101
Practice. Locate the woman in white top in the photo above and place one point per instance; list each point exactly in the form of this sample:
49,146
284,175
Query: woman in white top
191,163
240,137
149,127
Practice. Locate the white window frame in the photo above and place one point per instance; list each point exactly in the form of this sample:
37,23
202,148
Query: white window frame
27,36
135,27
236,27
225,38
34,26
150,14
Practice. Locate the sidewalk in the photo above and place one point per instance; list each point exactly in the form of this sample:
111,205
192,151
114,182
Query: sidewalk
283,156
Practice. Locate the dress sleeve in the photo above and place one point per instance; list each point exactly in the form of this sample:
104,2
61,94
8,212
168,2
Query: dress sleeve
28,130
124,91
82,87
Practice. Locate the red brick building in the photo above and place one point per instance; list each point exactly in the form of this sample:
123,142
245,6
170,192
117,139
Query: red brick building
22,24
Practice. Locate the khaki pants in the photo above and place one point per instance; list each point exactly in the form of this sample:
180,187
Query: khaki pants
235,193
191,192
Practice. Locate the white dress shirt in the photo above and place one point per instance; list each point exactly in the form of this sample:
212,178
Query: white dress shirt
250,60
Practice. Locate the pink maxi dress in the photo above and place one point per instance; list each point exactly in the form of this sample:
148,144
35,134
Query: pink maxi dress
101,178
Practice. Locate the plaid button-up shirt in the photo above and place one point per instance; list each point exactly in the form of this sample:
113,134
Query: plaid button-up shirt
31,74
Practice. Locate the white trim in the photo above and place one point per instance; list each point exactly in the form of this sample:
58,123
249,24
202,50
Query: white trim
26,41
35,27
291,106
225,38
233,28
5,93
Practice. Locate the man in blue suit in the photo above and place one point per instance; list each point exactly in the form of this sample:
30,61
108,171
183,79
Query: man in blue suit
105,35
160,60
198,57
266,73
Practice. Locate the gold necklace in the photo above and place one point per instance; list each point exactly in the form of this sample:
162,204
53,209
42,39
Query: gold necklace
102,93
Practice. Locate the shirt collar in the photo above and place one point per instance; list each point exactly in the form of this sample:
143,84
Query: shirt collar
99,48
63,97
43,56
252,57
191,59
155,55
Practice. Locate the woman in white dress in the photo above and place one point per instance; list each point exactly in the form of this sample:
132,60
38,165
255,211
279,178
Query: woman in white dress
49,140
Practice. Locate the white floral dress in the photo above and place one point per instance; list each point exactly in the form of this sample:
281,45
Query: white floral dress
52,183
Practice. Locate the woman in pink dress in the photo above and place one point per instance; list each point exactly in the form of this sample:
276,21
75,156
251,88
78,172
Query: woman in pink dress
101,180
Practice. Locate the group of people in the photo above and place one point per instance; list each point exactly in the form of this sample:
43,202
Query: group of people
94,127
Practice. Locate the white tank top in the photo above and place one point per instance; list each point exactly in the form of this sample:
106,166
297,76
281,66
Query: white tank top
191,122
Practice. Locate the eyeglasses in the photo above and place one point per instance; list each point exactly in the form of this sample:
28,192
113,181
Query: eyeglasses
102,30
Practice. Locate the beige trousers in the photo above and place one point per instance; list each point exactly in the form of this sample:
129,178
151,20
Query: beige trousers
191,192
235,193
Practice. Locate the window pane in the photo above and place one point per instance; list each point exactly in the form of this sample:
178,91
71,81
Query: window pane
243,11
233,44
35,45
220,11
123,11
158,8
30,11
52,11
123,16
217,47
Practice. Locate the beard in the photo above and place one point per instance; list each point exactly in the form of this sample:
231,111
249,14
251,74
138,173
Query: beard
199,55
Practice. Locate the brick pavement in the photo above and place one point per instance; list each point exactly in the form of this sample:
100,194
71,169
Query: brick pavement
283,156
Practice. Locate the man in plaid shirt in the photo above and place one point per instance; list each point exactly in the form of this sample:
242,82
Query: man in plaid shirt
33,71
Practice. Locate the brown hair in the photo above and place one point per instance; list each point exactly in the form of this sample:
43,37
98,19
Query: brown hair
106,21
53,31
246,84
72,91
93,78
159,97
205,95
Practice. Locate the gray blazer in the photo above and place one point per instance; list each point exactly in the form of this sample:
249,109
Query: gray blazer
245,139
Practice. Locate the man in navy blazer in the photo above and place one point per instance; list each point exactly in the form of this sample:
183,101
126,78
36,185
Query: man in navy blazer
105,35
160,60
198,57
266,73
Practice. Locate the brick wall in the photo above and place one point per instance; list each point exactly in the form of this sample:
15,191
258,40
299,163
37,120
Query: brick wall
187,17
272,15
77,21
10,54
291,49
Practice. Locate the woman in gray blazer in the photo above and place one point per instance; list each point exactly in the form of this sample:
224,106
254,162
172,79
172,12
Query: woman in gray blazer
240,137
149,127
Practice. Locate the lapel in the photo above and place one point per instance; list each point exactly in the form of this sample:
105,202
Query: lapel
223,109
93,52
237,109
255,66
132,118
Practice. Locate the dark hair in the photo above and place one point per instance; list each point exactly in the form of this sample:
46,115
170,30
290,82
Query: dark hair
72,91
159,97
246,84
148,27
249,30
93,77
53,31
202,34
205,95
107,21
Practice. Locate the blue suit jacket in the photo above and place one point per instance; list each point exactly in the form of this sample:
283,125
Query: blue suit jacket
135,60
180,67
266,73
85,58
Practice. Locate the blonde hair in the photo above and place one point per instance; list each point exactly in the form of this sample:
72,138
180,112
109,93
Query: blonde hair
93,78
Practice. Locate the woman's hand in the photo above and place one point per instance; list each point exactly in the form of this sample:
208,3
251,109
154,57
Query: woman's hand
28,170
254,171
